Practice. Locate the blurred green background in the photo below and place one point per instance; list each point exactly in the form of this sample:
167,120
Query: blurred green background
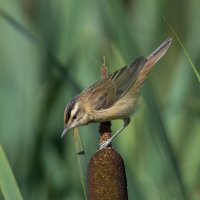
51,50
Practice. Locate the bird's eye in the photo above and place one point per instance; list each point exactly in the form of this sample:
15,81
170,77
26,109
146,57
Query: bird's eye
75,116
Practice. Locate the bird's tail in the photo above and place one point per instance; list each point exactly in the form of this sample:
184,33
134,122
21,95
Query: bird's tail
156,55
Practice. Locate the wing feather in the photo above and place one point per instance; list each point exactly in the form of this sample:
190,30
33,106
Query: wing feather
107,91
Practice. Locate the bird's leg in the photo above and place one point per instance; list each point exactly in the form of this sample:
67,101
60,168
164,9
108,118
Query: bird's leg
107,142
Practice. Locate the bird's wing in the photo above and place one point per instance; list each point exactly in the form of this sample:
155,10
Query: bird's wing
106,92
124,78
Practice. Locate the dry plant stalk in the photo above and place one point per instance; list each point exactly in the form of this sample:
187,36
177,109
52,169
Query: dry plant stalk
106,169
104,128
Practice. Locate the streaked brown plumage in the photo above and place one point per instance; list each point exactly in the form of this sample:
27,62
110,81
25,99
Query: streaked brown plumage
113,97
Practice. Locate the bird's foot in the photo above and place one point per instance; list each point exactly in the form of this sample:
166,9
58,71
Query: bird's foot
105,143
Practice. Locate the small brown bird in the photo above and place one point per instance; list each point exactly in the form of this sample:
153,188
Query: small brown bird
113,97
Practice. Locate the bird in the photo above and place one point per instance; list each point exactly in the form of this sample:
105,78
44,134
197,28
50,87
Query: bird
113,97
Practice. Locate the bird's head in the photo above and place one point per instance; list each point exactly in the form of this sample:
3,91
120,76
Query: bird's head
74,115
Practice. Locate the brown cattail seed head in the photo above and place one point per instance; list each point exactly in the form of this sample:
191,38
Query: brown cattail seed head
106,176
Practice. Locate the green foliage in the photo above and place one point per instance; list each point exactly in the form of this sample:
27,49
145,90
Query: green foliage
81,158
52,50
185,51
8,185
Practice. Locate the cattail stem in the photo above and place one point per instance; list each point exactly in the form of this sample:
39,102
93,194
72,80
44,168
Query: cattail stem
106,169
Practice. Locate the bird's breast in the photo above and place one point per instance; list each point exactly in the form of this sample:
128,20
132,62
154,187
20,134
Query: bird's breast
123,108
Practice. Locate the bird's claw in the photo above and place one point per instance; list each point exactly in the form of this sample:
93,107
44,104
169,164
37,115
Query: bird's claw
104,144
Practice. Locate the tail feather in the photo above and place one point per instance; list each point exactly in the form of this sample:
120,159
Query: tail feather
156,55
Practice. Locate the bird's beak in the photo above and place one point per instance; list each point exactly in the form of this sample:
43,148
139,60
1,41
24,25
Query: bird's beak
64,131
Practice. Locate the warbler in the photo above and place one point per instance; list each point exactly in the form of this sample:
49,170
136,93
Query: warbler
113,97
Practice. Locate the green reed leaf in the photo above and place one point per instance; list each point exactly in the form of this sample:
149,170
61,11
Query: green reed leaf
82,162
8,185
184,49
